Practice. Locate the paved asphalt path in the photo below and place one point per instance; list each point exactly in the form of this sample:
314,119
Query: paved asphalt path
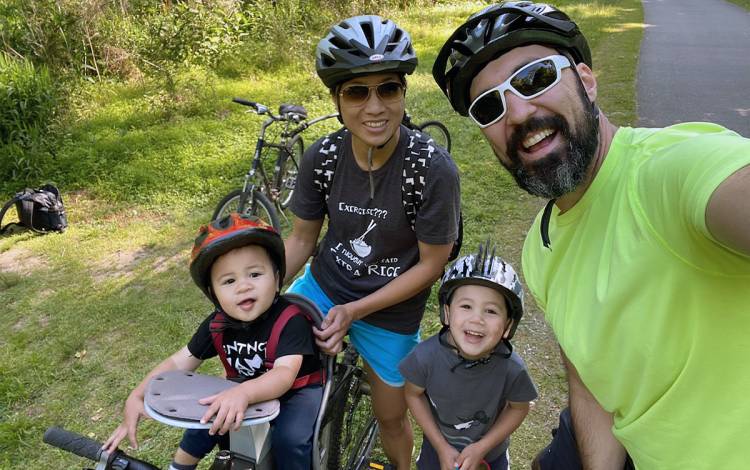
695,64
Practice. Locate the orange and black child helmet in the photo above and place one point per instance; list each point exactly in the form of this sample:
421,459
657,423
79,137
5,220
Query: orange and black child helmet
224,235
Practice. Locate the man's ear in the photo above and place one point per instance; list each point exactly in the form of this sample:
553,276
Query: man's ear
588,79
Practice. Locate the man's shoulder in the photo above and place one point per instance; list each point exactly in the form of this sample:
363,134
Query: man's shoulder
686,136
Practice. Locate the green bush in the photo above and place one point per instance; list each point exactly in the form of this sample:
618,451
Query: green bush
28,100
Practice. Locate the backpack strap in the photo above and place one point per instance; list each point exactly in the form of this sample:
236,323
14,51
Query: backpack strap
216,327
287,314
324,165
18,198
417,161
419,150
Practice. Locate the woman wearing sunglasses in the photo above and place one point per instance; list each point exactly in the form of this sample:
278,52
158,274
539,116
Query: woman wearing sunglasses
641,260
373,270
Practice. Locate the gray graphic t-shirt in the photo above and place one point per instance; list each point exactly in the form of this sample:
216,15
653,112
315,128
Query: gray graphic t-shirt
465,402
369,242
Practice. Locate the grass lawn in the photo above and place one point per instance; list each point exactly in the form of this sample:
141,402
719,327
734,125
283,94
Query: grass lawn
742,3
87,313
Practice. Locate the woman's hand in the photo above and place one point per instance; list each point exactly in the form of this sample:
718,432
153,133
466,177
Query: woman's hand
335,326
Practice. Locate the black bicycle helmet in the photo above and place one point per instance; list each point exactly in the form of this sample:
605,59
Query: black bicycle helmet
362,45
491,32
484,269
226,234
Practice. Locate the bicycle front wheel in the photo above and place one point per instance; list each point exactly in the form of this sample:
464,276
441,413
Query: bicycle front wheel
287,175
353,428
256,204
438,132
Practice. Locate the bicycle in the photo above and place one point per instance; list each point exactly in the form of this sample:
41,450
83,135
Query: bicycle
263,195
267,197
344,435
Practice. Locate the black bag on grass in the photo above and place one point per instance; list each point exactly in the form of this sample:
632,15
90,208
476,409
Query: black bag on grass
40,210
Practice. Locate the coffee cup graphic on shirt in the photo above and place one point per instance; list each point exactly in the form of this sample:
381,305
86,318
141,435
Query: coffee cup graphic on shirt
359,245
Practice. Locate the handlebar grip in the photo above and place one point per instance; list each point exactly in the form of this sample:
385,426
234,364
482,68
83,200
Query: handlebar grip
73,442
243,102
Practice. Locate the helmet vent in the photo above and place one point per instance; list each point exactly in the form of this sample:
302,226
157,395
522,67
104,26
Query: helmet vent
339,43
367,30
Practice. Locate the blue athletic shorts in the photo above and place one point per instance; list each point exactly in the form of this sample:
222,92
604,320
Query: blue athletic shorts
382,349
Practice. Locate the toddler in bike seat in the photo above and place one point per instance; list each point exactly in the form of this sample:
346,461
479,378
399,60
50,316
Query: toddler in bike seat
465,386
262,340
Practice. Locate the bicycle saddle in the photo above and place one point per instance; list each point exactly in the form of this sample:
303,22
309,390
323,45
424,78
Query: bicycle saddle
299,110
175,394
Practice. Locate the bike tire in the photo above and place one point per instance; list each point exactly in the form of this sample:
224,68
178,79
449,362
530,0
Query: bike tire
289,168
333,432
439,133
363,446
261,207
353,428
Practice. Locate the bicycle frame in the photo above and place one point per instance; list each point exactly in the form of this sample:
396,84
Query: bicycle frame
267,185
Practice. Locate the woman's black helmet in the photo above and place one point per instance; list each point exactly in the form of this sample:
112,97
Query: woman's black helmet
495,30
362,45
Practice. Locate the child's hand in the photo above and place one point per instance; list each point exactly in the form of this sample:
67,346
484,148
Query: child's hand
448,456
229,407
133,412
471,457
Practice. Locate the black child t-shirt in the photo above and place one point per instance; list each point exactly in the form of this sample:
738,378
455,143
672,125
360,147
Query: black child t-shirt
246,347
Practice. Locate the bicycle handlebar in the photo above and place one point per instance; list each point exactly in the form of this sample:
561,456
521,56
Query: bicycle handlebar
72,442
244,102
92,450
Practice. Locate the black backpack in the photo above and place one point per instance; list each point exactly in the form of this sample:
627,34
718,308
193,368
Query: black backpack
415,166
40,210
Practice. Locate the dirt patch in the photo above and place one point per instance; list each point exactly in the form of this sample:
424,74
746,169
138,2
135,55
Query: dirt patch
21,261
122,263
164,263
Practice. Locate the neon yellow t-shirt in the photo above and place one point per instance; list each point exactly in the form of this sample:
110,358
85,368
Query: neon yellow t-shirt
653,312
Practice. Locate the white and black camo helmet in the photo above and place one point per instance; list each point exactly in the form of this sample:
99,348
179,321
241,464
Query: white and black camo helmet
484,269
362,45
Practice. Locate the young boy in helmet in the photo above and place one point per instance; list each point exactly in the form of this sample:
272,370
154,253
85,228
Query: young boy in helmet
465,386
238,263
378,259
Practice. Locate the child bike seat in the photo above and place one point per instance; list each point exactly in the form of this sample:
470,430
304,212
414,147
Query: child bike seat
172,398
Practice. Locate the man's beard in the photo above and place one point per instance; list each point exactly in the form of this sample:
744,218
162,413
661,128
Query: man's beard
563,170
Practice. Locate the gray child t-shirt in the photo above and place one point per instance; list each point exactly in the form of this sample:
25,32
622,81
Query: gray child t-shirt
465,402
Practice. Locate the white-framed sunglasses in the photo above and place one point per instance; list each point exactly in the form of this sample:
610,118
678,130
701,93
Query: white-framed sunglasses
530,81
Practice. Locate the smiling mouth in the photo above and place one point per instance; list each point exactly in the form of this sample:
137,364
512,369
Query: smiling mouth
246,304
375,124
473,336
537,139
